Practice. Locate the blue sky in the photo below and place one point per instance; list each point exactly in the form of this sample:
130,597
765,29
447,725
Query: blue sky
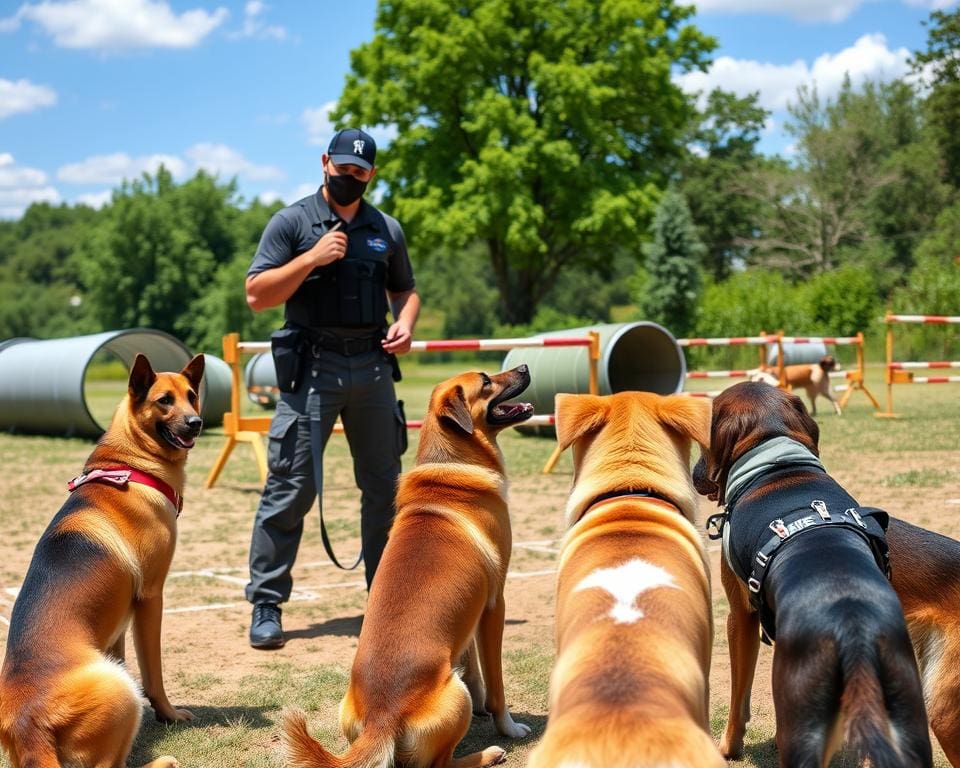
95,91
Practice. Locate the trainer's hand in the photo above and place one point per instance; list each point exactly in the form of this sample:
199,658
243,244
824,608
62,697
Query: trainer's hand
398,339
329,248
173,715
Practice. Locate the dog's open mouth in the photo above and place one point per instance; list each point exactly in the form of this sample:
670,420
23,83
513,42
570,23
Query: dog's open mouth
500,412
181,443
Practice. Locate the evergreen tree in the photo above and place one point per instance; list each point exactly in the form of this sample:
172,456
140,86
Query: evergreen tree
672,285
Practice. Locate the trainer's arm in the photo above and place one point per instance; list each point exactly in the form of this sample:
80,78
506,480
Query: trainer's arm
406,309
274,286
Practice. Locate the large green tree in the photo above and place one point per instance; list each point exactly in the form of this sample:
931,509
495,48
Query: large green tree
724,148
541,129
672,288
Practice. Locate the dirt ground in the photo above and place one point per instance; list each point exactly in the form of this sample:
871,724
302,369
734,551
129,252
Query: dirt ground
205,651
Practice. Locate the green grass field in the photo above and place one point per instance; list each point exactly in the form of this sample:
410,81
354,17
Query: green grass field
909,465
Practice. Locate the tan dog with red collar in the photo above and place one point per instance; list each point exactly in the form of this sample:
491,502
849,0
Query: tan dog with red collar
634,620
65,696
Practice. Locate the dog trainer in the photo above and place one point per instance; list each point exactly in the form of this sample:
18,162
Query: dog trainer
333,260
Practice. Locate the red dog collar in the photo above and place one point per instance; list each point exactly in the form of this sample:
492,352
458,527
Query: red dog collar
120,476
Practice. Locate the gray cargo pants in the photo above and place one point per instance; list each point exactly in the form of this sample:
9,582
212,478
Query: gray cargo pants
360,390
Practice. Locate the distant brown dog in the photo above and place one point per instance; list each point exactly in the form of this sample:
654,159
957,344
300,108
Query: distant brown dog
814,378
65,696
439,587
634,618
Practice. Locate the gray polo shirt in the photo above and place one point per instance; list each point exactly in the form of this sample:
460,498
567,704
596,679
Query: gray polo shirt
372,235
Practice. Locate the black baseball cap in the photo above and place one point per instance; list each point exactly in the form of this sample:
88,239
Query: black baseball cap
351,146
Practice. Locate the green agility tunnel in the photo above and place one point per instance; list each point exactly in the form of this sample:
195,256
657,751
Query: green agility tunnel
42,382
639,356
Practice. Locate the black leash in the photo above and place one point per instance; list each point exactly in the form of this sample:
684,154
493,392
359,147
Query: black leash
316,448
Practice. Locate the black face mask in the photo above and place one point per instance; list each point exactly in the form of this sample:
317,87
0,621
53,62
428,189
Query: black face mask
345,189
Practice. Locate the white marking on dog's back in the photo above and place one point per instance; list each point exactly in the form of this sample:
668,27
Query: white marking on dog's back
626,582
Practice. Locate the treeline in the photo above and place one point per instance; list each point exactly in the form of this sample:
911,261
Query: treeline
550,181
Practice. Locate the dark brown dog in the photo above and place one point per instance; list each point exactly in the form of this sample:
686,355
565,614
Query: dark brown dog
439,588
64,692
843,667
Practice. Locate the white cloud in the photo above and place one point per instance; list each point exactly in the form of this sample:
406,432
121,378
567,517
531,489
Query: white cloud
318,124
20,186
868,58
118,24
253,26
96,199
24,96
933,5
221,160
114,168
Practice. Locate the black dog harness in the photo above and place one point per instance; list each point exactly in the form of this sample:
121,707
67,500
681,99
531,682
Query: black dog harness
754,530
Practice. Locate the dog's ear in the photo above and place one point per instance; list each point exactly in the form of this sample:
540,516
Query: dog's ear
454,408
690,416
576,416
142,377
194,372
802,425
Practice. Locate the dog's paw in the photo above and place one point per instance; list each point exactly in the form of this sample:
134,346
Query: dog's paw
508,727
730,748
493,756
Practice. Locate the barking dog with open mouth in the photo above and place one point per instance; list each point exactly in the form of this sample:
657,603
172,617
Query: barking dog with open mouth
439,589
634,621
65,695
801,557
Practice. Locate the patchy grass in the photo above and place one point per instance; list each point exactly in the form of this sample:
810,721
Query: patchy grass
906,465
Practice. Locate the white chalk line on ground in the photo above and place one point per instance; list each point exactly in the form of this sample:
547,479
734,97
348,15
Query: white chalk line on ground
301,595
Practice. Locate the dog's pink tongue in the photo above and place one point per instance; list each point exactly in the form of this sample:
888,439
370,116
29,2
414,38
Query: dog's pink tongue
188,444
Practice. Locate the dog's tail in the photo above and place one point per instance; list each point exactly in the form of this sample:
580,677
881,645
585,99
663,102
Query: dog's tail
878,704
373,748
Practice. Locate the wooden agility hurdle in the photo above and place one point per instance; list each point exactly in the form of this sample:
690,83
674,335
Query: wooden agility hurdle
902,372
250,429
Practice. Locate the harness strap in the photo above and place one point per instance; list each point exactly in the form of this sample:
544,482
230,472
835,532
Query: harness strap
121,476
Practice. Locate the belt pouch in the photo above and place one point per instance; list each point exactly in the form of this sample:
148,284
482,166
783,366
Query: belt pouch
286,345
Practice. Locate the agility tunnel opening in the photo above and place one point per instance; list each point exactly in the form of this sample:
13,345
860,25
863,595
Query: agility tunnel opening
638,356
44,387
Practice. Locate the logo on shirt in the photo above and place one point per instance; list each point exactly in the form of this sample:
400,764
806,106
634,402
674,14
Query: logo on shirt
378,244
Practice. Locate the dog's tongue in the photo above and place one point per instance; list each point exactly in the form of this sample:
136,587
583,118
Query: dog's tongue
515,410
185,443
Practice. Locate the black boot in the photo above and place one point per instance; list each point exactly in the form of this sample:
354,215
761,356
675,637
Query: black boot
266,631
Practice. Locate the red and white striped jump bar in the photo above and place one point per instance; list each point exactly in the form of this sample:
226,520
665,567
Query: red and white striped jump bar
923,319
934,379
499,344
942,364
447,345
820,340
720,374
727,342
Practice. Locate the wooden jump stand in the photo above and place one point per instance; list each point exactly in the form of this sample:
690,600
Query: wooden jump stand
237,428
900,373
855,378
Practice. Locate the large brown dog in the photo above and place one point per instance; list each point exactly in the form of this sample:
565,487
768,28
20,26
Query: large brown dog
439,586
843,668
634,618
65,696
